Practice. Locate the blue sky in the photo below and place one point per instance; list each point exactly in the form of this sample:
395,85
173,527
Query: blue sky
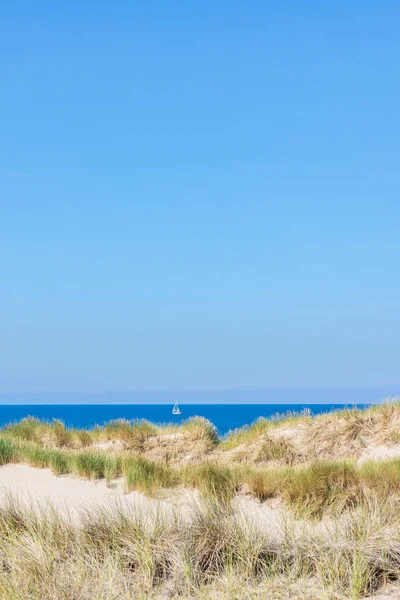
199,196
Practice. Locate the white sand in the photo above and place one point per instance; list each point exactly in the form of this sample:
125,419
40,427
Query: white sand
379,453
70,494
265,516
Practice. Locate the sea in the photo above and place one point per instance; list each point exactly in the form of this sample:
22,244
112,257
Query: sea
225,417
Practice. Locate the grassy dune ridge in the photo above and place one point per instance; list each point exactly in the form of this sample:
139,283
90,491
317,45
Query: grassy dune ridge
309,491
288,457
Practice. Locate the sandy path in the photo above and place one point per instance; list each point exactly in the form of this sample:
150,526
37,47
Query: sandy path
71,494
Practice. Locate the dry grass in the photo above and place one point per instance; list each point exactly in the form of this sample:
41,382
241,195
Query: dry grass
28,429
133,433
289,459
62,436
83,437
119,555
211,479
262,426
289,439
200,429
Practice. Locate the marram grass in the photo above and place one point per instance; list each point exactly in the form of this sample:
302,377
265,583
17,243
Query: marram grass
148,476
211,554
299,475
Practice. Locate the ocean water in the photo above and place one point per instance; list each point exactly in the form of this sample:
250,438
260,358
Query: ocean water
224,416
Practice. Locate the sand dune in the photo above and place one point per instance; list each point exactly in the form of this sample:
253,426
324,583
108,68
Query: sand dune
70,494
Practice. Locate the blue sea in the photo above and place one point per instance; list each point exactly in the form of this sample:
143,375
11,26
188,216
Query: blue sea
225,417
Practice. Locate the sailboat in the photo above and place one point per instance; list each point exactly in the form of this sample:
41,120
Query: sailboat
176,410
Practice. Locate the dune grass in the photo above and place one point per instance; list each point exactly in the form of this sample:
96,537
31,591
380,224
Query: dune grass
321,431
147,476
200,429
29,429
8,451
42,458
90,464
34,455
248,433
302,477
310,491
211,479
112,468
322,486
133,433
62,435
59,462
212,554
265,483
83,437
262,426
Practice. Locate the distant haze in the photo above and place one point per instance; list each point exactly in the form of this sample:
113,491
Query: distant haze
269,396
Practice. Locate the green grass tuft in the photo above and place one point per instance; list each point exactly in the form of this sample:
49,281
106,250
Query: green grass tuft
34,455
323,485
147,476
133,433
60,462
8,451
62,435
200,429
265,483
84,438
261,427
212,479
89,464
28,429
112,468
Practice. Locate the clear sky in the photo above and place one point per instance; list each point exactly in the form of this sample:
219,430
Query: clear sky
199,195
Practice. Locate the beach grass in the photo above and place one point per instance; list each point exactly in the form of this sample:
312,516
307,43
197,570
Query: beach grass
133,433
34,455
62,435
322,486
60,462
310,491
262,426
211,479
90,464
200,429
212,554
83,437
112,468
297,468
147,476
8,451
29,429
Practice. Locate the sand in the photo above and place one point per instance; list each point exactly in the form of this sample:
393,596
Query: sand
379,453
70,494
390,592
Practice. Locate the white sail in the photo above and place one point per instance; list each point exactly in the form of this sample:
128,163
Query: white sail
176,410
